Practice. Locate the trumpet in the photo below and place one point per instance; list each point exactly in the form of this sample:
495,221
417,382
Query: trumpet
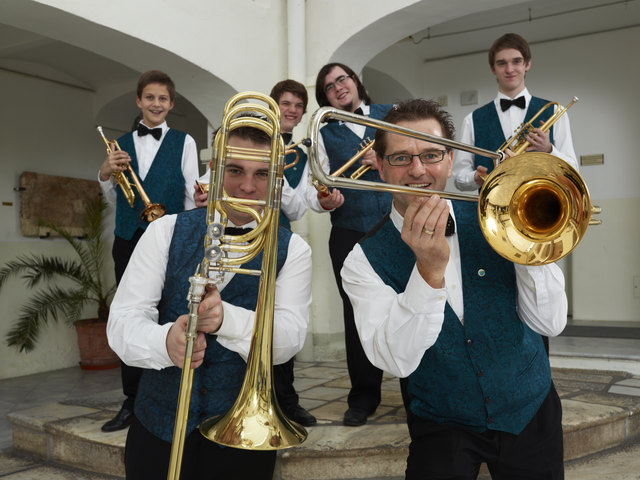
531,212
255,420
368,145
518,143
151,211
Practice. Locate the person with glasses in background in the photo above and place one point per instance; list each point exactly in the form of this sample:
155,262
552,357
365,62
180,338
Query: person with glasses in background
353,213
437,306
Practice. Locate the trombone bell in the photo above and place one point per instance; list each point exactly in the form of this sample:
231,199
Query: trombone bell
534,208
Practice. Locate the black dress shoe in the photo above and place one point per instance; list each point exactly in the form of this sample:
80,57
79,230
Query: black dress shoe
354,417
301,416
120,421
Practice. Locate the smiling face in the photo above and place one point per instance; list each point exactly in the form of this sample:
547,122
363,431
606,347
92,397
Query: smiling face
291,111
343,90
416,174
510,70
245,179
154,103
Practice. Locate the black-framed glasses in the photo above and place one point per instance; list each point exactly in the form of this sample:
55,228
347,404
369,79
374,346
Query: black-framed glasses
339,81
429,157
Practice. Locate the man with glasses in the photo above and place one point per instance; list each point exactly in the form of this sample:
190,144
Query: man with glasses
357,212
491,125
434,303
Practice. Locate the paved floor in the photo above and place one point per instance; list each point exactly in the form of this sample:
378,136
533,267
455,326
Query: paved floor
323,388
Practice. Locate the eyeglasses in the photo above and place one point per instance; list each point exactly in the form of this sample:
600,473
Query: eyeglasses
329,87
427,158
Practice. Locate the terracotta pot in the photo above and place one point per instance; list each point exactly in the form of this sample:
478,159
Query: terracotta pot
95,353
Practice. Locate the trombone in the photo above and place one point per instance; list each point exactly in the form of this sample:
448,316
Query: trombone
151,211
255,421
531,212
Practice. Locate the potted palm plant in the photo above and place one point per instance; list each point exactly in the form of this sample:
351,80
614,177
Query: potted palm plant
52,302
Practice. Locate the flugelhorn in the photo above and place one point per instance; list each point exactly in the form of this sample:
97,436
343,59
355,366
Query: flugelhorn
255,421
533,209
151,211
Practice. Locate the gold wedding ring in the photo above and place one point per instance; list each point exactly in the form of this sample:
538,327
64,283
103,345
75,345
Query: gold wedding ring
428,232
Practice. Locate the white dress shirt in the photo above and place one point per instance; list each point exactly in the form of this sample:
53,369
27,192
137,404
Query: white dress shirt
396,329
294,202
310,192
133,329
510,120
146,149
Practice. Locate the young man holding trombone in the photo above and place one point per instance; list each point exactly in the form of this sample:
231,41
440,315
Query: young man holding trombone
148,321
492,124
434,303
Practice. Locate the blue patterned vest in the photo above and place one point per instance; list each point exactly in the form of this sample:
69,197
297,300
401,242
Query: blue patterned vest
293,175
361,210
163,184
490,372
487,130
217,381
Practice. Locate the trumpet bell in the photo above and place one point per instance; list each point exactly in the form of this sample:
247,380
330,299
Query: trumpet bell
152,212
534,208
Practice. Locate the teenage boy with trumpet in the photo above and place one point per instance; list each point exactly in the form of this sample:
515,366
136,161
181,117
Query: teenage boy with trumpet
166,163
490,126
435,304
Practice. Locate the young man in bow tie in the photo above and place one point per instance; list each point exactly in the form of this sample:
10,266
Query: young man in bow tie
148,319
353,214
491,125
166,163
435,304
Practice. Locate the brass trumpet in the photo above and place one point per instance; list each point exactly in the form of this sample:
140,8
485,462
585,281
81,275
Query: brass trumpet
518,144
255,421
151,211
531,212
324,190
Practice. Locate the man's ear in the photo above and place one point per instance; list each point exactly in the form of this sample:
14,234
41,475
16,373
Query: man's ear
380,163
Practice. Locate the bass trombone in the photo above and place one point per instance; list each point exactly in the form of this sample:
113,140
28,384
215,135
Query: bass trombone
533,208
151,211
255,421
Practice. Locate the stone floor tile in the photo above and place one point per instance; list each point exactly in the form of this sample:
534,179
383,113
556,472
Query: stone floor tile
328,373
341,382
305,383
630,382
325,393
622,390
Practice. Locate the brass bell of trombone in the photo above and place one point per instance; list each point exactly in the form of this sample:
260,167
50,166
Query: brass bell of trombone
534,208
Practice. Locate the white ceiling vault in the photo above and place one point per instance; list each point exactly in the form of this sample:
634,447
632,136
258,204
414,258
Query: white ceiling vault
537,20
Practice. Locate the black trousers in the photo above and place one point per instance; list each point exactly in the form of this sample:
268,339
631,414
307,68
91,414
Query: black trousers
365,378
283,385
146,457
454,453
121,252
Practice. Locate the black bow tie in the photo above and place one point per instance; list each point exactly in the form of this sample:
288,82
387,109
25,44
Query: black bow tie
451,227
505,103
286,137
236,230
155,132
358,111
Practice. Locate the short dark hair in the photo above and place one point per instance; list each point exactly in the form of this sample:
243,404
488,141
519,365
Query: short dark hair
412,110
257,136
510,40
290,86
156,76
321,97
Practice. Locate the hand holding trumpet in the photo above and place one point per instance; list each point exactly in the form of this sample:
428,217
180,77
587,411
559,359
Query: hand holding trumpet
117,160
